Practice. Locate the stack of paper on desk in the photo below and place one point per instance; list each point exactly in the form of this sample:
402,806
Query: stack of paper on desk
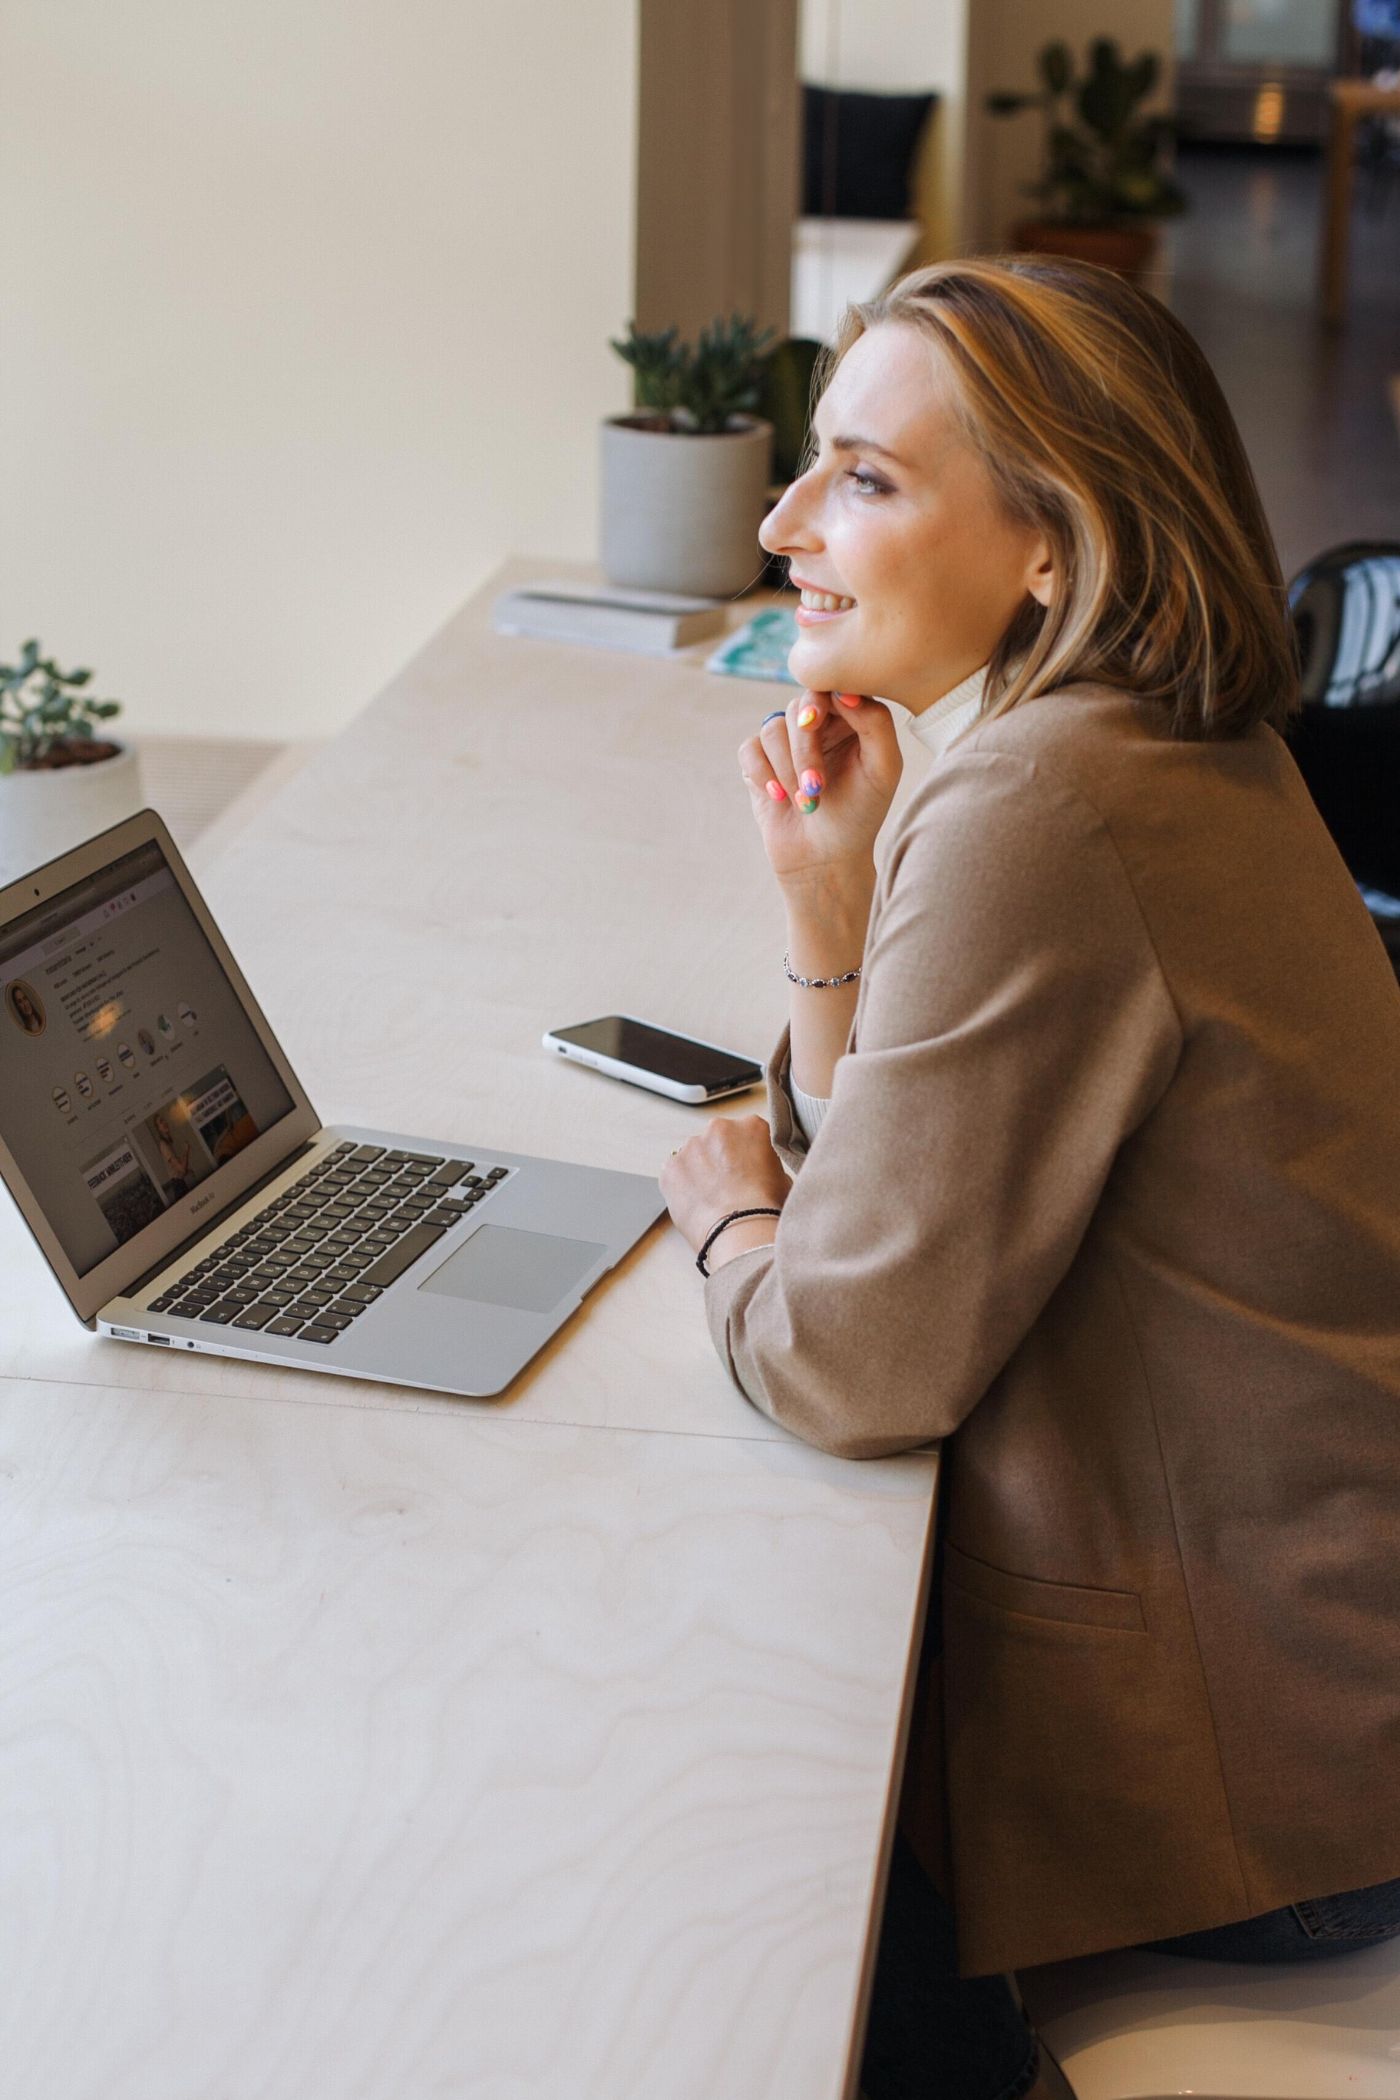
609,616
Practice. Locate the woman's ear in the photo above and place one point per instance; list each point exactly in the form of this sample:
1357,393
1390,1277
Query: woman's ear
1040,574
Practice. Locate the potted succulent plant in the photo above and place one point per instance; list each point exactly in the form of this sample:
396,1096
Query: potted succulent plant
684,476
1103,180
61,780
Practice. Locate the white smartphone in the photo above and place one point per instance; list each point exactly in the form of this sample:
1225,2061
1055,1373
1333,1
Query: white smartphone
658,1058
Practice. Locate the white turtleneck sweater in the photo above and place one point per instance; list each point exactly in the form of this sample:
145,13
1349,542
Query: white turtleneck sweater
936,728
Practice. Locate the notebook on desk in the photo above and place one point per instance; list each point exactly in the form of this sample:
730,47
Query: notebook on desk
186,1194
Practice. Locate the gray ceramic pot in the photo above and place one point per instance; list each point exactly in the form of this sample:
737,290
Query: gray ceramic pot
43,813
680,512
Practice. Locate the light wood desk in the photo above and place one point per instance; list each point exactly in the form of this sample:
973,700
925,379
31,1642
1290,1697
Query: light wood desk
357,1744
1349,101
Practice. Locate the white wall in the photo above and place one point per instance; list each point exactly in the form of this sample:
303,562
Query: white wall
304,312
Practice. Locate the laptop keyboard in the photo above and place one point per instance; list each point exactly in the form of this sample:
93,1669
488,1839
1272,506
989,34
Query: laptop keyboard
327,1248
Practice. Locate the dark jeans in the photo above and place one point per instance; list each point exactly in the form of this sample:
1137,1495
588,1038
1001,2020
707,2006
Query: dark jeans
936,2036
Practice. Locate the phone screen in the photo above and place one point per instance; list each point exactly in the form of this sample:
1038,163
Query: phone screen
653,1050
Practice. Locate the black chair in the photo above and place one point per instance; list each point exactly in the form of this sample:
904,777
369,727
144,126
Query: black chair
1346,740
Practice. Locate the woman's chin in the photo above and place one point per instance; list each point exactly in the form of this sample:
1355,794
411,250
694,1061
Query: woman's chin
819,666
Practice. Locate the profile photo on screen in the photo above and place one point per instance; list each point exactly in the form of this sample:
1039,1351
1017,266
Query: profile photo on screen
26,1008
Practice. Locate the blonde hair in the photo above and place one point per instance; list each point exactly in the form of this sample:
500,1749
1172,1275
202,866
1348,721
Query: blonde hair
1102,424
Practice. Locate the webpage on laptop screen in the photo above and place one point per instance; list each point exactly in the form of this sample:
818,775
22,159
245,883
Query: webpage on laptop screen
129,1070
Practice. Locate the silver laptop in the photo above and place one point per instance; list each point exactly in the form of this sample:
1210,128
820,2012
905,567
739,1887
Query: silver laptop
186,1194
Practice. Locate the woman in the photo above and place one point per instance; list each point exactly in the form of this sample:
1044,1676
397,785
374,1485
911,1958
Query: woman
174,1163
1090,1105
26,1007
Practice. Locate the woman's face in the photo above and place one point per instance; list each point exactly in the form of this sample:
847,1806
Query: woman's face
898,520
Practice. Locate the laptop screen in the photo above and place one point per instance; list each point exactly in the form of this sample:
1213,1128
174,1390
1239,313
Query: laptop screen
129,1070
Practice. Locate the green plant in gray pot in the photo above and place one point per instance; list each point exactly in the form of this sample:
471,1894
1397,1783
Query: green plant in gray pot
61,779
685,475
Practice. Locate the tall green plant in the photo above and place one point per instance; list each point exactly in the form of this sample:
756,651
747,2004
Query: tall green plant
697,388
42,707
1108,165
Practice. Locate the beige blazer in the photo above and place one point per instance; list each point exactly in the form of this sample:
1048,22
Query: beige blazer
1108,1197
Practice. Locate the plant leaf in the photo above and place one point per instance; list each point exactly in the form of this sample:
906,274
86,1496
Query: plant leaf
1057,66
1142,75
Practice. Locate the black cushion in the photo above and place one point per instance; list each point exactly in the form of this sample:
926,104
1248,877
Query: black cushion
858,152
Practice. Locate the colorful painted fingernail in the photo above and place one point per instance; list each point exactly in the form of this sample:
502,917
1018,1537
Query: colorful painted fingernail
777,790
807,717
849,699
808,806
811,784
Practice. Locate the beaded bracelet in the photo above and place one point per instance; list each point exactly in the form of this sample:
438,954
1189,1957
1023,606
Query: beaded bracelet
819,984
763,1210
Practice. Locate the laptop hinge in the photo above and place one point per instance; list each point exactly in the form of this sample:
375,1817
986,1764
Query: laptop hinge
208,1225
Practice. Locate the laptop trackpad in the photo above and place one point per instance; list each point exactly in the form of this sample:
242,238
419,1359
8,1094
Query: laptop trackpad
500,1265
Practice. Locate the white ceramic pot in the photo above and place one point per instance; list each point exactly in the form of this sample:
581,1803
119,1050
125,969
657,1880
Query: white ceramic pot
681,512
44,812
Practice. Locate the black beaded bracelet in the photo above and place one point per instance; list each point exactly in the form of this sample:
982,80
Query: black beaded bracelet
763,1210
819,984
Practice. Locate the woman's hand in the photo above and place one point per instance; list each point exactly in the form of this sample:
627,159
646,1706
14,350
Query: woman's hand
731,1165
821,777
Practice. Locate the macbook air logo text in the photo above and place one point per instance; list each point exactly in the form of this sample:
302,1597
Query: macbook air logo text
200,1203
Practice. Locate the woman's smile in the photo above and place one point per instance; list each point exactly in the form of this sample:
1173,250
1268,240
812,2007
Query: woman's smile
818,604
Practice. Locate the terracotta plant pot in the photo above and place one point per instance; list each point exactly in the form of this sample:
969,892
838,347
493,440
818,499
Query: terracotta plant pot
1126,249
46,810
681,512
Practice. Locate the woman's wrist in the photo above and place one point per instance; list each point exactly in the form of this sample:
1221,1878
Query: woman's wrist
827,925
834,891
825,951
740,1238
